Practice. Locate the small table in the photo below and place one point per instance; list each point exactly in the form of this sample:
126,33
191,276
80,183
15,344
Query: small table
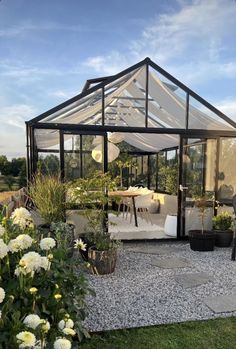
127,194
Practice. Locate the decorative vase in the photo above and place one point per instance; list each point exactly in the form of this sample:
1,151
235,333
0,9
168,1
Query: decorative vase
223,238
201,241
102,262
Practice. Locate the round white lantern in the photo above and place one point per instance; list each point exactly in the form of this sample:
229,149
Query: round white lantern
113,152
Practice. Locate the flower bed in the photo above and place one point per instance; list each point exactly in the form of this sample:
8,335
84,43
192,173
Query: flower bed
42,296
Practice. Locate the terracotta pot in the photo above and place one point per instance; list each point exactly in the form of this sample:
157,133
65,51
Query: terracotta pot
223,238
102,262
201,241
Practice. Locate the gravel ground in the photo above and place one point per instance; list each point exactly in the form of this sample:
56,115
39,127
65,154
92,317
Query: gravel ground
141,294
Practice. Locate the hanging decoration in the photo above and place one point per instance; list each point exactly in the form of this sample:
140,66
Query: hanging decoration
113,151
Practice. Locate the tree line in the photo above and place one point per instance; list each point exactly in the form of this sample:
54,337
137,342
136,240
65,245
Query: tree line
13,172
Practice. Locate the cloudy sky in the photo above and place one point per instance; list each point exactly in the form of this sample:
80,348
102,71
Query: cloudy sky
49,48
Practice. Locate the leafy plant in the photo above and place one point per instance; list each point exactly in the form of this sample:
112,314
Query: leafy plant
222,221
48,194
202,203
38,282
91,195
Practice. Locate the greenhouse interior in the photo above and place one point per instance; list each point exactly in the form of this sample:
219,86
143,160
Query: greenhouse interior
156,134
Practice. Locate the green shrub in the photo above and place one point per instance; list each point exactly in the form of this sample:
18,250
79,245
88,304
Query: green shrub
222,221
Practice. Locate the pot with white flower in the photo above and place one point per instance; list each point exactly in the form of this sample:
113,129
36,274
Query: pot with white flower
98,248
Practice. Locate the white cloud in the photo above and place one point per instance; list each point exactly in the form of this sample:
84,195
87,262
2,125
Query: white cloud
228,107
190,40
12,131
16,115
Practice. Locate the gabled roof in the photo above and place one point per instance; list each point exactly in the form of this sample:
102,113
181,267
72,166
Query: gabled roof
143,95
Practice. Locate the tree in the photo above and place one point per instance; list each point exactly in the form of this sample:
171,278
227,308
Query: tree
9,180
4,165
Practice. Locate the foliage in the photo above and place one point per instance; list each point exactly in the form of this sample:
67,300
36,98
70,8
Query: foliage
202,203
168,178
12,167
91,194
9,180
49,165
222,221
48,194
38,280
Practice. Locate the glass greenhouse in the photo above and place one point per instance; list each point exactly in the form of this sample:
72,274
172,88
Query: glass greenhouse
149,128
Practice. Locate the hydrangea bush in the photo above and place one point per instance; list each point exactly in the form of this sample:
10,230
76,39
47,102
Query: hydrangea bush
42,291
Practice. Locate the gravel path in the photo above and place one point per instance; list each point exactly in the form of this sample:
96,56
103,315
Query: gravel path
141,294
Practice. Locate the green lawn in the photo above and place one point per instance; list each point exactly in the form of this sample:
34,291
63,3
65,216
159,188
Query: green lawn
211,334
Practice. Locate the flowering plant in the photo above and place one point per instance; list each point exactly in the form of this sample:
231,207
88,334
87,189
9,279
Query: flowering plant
42,295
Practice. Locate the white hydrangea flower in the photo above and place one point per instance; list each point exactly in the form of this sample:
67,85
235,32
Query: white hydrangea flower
45,263
30,262
22,217
3,249
65,323
32,321
62,343
78,243
21,242
2,230
47,244
26,339
45,325
2,294
69,331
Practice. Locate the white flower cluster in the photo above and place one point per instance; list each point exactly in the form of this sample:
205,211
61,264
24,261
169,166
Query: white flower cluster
2,294
26,339
33,321
2,230
3,249
21,242
32,262
78,243
62,343
47,244
22,217
66,326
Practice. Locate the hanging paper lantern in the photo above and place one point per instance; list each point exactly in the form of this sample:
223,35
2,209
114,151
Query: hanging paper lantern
113,152
115,137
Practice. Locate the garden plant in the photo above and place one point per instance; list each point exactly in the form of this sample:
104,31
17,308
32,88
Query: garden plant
42,290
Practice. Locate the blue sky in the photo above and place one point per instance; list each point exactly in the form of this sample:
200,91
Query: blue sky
49,48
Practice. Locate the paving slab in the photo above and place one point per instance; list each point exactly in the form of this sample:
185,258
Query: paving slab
221,304
193,280
171,263
153,250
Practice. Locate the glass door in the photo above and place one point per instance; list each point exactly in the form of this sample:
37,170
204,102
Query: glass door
197,179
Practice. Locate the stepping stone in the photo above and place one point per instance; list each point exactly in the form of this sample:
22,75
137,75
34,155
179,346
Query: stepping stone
193,280
171,263
153,250
221,304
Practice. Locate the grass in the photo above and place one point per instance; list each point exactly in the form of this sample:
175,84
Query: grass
210,334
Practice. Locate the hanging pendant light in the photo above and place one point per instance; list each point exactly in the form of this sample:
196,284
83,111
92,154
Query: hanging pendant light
113,152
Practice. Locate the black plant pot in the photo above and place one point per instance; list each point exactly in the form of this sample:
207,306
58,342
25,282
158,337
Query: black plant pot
201,241
223,238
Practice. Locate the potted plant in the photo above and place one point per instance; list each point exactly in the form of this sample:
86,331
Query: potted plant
91,196
221,228
202,240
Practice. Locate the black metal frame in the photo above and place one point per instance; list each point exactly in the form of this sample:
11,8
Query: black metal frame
94,85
